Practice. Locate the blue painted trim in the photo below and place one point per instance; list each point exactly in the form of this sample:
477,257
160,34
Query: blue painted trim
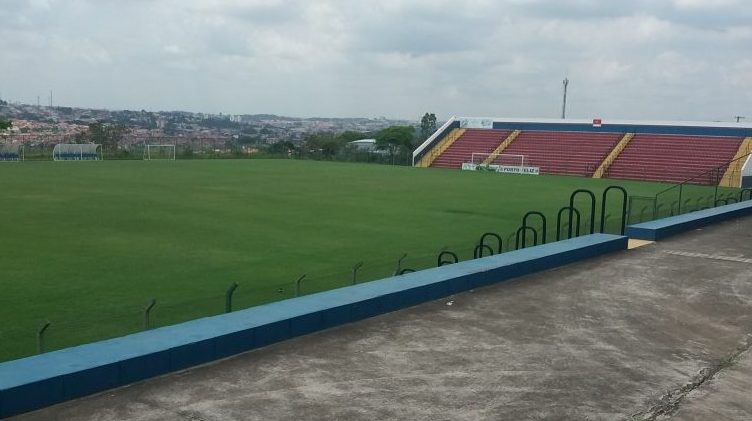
42,380
627,128
449,128
666,227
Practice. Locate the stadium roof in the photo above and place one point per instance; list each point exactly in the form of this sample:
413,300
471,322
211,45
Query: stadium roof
605,121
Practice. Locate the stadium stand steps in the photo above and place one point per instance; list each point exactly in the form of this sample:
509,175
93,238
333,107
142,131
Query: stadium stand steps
439,149
500,149
732,175
564,153
673,158
649,157
613,155
482,141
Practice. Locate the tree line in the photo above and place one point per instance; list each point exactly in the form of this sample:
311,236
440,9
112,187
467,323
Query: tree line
392,145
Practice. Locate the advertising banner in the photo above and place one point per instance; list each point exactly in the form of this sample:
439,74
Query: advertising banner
506,169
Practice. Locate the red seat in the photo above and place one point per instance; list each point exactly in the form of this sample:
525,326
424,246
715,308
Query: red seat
674,158
482,141
565,153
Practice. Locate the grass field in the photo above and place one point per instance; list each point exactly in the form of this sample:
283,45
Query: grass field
85,245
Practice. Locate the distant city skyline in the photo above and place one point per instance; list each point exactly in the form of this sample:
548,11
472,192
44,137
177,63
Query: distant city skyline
636,59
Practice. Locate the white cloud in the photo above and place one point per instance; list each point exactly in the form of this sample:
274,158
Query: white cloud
395,57
706,4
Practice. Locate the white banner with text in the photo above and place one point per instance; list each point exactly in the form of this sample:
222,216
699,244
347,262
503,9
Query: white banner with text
507,169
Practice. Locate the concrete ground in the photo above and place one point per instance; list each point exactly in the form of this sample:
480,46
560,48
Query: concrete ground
727,396
660,331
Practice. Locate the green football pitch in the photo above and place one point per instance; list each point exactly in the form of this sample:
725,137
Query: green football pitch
86,245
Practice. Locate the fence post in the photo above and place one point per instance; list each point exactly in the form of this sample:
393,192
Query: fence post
715,194
297,285
147,312
355,272
228,297
399,264
642,213
40,337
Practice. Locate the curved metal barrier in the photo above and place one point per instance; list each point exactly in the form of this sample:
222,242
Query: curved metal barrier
441,262
558,222
523,230
604,198
592,209
478,251
482,240
543,225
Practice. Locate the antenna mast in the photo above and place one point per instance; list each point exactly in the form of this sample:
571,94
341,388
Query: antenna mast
564,104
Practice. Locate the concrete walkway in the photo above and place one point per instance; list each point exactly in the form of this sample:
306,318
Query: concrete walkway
727,396
656,332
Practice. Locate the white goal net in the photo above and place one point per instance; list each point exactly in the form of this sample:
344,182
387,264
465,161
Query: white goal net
154,152
511,160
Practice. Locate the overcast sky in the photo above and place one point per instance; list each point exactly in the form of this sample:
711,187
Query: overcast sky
626,59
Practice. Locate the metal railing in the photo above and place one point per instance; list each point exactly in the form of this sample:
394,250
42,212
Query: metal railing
61,330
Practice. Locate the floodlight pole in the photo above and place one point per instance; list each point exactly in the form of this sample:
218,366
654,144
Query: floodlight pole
739,118
565,82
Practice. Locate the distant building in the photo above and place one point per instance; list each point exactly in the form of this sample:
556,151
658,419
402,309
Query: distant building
366,145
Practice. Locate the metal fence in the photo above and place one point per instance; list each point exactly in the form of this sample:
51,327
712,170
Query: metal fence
581,217
207,148
705,190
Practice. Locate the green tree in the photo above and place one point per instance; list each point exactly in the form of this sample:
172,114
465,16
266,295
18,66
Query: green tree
349,136
283,147
396,140
325,145
5,124
427,125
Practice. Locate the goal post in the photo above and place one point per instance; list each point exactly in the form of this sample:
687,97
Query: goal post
77,152
514,160
500,163
159,152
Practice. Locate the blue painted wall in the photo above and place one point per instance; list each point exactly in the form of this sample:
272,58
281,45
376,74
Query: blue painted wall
43,380
666,227
449,128
627,128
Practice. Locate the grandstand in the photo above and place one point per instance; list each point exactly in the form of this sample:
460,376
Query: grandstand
649,151
471,141
564,153
672,158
